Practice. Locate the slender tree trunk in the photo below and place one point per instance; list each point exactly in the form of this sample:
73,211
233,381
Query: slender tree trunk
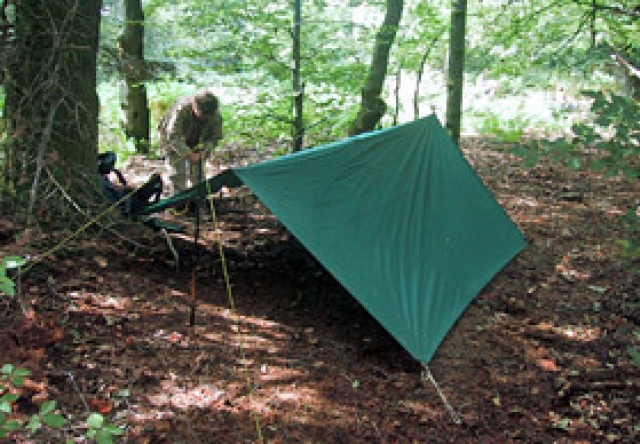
51,99
455,75
134,91
298,88
423,63
7,27
396,108
372,106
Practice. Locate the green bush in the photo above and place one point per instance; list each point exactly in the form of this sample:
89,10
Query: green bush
503,130
607,142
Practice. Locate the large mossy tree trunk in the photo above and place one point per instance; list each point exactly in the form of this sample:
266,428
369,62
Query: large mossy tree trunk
455,73
372,106
51,103
132,67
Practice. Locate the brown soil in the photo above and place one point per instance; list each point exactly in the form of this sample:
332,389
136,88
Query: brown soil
544,354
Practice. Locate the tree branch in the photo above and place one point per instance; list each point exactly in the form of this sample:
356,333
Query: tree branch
608,8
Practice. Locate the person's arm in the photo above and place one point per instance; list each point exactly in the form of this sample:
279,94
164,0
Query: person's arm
212,133
173,128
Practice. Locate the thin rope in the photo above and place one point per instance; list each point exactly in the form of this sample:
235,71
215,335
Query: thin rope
426,374
176,256
82,229
232,307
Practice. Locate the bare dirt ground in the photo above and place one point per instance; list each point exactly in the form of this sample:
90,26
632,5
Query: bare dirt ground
544,354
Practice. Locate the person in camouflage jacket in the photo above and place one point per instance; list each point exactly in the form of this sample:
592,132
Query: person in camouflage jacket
189,130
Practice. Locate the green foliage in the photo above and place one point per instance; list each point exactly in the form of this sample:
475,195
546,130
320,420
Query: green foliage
245,50
423,25
7,285
12,377
615,134
102,432
631,245
542,39
608,143
45,417
634,354
504,130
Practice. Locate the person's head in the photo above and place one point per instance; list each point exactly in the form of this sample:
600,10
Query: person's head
205,103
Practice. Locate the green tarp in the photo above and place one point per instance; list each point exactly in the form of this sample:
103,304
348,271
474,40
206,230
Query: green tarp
399,217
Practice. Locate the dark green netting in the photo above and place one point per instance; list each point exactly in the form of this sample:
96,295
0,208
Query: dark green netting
398,216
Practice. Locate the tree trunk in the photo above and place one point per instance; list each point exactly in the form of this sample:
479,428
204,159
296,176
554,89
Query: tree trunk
421,67
455,75
372,106
51,101
133,71
298,90
396,108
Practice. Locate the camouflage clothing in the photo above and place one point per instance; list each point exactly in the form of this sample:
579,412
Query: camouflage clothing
192,124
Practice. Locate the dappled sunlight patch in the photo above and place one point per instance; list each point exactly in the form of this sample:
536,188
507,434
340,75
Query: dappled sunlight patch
582,333
569,272
290,397
181,398
214,336
143,415
253,341
253,332
534,219
276,375
526,202
93,302
250,320
540,356
169,337
176,293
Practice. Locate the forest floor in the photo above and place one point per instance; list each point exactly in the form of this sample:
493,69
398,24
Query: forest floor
548,352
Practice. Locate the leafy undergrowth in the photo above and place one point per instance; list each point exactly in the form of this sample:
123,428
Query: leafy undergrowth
548,352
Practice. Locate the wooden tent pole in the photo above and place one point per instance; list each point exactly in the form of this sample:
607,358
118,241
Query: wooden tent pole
197,253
